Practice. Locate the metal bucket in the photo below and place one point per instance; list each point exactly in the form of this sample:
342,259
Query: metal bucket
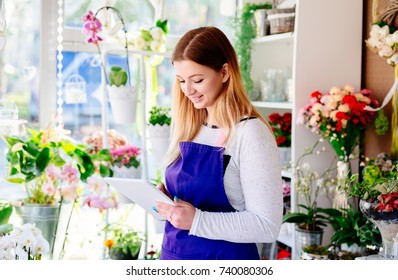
45,217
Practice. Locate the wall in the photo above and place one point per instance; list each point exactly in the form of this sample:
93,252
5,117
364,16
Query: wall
377,76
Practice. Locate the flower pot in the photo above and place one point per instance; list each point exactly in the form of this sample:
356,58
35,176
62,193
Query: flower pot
123,100
159,136
45,217
305,238
120,255
126,172
387,223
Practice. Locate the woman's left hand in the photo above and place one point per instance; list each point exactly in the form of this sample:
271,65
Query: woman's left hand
180,215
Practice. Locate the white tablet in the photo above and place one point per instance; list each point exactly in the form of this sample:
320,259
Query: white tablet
141,192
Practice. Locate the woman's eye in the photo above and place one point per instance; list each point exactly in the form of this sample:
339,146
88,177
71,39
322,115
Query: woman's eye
197,82
181,82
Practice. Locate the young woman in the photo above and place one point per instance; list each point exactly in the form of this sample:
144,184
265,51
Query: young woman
223,162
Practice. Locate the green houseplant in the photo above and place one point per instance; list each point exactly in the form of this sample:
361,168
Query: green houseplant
117,76
245,32
159,130
124,242
159,115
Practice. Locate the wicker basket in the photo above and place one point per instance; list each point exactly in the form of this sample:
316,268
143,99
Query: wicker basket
281,20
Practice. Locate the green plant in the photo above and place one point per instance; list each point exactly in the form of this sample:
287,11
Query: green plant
123,239
316,249
159,115
117,76
5,214
309,184
352,227
245,32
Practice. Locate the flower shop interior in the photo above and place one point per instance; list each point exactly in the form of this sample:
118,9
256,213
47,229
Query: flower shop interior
90,98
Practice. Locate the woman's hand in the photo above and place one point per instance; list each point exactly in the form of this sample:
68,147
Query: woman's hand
180,215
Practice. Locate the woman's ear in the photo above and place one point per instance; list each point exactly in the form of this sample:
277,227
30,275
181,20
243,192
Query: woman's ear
225,72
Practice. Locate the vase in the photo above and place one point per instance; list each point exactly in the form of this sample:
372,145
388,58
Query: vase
340,200
123,100
387,223
305,238
159,136
45,217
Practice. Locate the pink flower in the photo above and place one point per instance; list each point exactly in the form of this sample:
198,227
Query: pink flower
92,26
69,191
70,174
48,188
53,172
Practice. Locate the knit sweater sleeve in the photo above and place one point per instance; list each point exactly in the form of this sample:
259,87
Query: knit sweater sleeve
253,185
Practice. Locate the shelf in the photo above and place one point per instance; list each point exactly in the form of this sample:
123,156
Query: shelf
286,173
286,235
288,37
273,105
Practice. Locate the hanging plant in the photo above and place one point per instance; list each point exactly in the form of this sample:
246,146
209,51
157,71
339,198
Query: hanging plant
245,32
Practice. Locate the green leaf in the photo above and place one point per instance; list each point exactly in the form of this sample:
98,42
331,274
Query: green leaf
42,159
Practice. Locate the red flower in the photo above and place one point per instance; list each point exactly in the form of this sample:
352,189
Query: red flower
282,128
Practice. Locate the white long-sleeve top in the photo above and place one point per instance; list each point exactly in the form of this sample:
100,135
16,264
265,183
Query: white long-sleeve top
253,185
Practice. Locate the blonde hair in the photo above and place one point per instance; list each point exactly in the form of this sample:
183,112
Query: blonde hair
210,47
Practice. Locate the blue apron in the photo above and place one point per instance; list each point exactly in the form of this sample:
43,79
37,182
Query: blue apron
197,177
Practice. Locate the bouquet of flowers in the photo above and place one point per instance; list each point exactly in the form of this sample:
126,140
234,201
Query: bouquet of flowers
339,116
282,127
383,40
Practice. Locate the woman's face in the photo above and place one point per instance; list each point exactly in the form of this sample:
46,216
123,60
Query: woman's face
201,84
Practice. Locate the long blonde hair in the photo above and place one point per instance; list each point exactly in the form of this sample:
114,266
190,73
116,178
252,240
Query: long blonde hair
210,47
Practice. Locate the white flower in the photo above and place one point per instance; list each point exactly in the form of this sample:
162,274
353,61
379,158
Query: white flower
140,43
156,45
157,33
386,51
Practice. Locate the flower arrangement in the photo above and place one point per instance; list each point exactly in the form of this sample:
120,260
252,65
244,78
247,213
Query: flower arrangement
339,116
383,40
282,128
379,183
126,155
23,243
49,164
98,194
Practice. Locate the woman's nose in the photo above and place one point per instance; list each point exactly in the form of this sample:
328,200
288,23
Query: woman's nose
189,89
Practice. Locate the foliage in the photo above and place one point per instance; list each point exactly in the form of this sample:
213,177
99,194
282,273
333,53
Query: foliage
316,249
117,76
282,127
152,39
49,163
339,116
352,227
5,212
159,115
379,181
245,32
309,185
381,123
123,238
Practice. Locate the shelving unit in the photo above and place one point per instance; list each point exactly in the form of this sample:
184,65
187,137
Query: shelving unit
317,58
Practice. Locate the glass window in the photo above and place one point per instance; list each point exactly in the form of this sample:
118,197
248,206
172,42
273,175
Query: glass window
19,63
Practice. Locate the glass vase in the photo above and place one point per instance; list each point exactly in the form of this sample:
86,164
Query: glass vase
387,223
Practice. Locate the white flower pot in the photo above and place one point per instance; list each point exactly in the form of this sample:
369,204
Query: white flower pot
159,137
126,172
123,101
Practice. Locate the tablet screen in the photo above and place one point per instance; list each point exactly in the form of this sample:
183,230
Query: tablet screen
140,192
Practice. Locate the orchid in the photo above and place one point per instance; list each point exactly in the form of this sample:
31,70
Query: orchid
339,116
98,194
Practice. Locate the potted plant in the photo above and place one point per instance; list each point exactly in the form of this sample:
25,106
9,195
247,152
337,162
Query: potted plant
124,242
353,232
123,97
52,168
125,161
310,219
377,191
159,130
315,252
